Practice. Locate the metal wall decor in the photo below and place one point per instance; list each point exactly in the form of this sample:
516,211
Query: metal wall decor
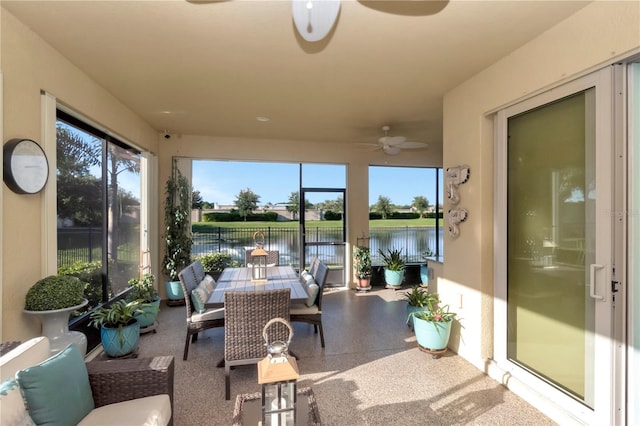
455,177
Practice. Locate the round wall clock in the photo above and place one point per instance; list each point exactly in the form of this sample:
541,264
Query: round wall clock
25,166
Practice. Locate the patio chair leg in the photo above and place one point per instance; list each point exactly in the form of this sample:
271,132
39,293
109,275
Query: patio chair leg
186,348
227,381
321,335
315,328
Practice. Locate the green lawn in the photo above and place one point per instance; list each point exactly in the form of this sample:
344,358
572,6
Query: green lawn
388,223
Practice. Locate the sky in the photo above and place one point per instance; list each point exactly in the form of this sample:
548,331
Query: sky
221,181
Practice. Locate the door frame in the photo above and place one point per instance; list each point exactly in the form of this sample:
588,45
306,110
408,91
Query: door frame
605,401
301,218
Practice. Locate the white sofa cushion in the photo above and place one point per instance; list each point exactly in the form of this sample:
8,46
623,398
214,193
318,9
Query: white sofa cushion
209,314
29,353
12,409
149,411
302,309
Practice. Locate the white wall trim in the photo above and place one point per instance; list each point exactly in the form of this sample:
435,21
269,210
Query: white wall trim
49,227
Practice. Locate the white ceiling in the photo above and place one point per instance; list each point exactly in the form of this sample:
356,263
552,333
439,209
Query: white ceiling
212,67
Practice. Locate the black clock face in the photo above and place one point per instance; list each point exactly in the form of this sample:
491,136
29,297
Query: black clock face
25,166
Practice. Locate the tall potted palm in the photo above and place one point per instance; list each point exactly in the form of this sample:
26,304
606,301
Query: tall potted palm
177,237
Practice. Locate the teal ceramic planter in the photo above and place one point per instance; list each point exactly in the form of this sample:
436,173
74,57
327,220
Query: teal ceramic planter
410,310
424,274
393,278
174,290
432,335
116,347
150,313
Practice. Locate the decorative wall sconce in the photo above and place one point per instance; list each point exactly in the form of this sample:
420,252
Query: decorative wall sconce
456,176
456,217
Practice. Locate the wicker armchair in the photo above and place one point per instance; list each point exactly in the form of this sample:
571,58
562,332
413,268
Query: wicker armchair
196,322
313,314
127,379
246,314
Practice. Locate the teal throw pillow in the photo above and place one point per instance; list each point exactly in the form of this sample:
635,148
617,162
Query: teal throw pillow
199,296
57,390
312,290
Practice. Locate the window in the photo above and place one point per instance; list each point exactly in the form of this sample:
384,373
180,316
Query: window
405,205
98,208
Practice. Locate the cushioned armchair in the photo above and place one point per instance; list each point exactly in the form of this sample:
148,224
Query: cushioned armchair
64,390
197,287
311,311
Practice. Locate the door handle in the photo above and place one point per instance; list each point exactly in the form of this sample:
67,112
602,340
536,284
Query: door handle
592,281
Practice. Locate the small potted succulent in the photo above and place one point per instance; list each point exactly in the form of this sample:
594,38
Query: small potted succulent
119,328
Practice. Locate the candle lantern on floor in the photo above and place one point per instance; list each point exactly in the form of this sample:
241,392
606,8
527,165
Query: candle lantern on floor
278,374
258,259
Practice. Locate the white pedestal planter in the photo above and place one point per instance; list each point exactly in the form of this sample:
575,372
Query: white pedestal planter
55,326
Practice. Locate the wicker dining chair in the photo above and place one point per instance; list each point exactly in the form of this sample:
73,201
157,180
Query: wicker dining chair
300,312
246,314
196,322
273,257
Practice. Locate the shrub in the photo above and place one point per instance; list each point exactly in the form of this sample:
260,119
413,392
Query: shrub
54,292
91,274
215,262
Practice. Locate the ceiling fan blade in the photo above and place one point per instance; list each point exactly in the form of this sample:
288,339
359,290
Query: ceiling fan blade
412,145
392,140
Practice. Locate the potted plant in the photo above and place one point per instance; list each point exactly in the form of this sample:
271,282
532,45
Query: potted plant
424,268
418,299
119,328
362,265
53,299
144,292
433,327
177,236
393,267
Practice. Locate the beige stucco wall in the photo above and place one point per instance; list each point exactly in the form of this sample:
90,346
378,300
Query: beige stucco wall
30,66
597,35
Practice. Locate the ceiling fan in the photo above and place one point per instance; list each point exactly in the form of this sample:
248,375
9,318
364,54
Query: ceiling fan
392,145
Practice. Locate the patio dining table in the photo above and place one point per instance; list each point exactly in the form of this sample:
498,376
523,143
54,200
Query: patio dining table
239,279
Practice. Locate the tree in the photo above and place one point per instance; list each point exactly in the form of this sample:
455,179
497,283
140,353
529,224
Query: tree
293,205
421,204
246,201
383,206
196,200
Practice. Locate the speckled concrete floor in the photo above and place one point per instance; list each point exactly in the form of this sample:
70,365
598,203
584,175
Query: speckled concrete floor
370,372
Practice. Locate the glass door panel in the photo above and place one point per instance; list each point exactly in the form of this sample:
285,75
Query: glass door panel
554,226
550,240
323,230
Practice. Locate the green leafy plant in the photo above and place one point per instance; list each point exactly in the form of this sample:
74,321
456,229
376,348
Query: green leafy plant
393,259
435,314
91,274
177,213
421,298
362,262
143,289
118,315
55,292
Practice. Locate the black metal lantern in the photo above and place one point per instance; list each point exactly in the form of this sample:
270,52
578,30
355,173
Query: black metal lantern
278,374
258,260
